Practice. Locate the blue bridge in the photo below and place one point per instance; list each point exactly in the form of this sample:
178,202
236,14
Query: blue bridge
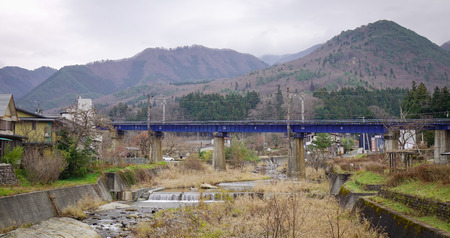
298,130
309,126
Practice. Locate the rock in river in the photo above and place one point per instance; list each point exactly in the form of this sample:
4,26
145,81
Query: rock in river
55,227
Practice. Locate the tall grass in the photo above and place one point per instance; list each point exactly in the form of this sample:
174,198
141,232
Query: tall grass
423,173
285,215
87,203
180,176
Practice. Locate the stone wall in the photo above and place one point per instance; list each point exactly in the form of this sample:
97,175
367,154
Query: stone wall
394,223
7,175
428,207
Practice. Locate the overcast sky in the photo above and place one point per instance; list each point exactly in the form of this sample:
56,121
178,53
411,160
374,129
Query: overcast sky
56,33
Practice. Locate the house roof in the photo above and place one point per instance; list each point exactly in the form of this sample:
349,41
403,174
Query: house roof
32,114
5,100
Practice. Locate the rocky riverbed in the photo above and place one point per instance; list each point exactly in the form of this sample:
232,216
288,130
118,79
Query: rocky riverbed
116,219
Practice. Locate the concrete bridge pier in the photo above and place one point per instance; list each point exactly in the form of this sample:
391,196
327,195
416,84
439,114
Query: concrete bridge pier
296,160
391,140
116,138
218,161
441,145
156,146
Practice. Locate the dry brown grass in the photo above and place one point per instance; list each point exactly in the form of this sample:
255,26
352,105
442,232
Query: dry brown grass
290,214
86,204
178,176
353,164
424,173
315,185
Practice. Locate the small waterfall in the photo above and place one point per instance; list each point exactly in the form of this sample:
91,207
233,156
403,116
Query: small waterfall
194,197
181,196
165,196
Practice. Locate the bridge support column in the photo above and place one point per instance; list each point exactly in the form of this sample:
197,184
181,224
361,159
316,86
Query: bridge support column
296,160
218,162
116,138
441,145
156,147
391,140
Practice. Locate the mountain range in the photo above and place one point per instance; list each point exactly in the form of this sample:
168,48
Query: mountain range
378,55
153,65
19,81
382,54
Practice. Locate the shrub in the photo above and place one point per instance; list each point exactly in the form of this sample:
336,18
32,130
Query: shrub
12,156
143,175
237,154
424,173
43,169
194,163
78,158
433,173
376,168
206,155
128,176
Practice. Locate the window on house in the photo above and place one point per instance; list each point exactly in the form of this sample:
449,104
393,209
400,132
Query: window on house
33,126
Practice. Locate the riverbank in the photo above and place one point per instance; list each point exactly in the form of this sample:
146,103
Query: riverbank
413,202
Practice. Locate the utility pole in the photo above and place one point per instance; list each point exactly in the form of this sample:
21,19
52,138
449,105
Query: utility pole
288,96
303,106
164,110
148,114
148,126
364,138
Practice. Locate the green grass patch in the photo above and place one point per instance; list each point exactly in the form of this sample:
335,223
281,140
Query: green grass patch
354,187
360,178
436,222
436,190
367,177
88,179
5,191
134,167
399,207
91,178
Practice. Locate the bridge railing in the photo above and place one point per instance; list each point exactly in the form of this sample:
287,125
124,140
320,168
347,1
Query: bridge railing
281,122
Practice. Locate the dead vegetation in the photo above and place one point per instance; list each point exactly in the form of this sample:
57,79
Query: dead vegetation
193,173
76,211
45,167
289,213
428,173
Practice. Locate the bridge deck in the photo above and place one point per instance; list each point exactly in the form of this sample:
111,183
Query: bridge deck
328,126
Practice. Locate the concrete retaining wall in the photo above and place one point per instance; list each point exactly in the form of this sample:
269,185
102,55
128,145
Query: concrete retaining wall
337,181
34,207
347,199
37,206
394,223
